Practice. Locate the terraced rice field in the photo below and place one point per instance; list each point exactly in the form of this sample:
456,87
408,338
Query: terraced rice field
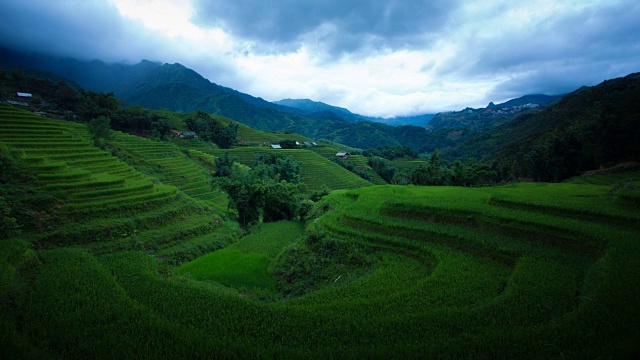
533,271
65,161
106,203
361,162
525,265
250,136
317,171
481,272
169,165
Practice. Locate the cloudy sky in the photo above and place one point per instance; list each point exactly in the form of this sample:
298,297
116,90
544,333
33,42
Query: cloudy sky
374,57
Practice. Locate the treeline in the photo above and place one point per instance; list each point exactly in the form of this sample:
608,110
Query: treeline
103,111
437,172
58,96
391,152
352,167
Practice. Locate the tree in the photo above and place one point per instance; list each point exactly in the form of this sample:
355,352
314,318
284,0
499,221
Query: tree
161,128
383,167
289,144
288,170
65,96
100,129
246,194
17,77
281,202
227,137
435,159
224,165
8,225
269,189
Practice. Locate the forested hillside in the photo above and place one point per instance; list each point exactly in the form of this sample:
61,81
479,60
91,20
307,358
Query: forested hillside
588,129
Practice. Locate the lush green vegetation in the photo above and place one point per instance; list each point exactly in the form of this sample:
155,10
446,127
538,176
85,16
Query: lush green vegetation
453,272
247,264
121,248
587,129
317,171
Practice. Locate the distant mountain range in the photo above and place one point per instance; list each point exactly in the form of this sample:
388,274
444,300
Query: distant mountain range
493,115
539,99
178,88
316,108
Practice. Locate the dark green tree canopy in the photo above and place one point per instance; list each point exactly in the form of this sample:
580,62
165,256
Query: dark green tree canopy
210,129
100,129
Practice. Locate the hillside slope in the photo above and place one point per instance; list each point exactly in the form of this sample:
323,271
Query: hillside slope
587,129
104,203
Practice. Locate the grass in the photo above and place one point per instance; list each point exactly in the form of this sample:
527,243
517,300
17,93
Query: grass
243,265
270,238
231,268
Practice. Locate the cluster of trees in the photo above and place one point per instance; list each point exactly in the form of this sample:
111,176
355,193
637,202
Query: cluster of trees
104,109
270,190
289,144
210,129
437,172
383,167
58,96
391,152
363,173
138,120
456,174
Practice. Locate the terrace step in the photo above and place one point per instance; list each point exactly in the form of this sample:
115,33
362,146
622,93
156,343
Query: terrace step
94,183
90,229
108,167
49,167
112,192
67,176
50,145
46,152
80,156
159,192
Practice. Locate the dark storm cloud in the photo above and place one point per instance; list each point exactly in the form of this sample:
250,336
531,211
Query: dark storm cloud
337,26
77,28
578,48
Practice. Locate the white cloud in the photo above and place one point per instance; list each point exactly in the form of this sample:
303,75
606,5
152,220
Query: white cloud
380,58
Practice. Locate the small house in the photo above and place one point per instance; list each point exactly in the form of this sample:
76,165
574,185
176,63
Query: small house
24,95
314,144
188,134
276,146
342,155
